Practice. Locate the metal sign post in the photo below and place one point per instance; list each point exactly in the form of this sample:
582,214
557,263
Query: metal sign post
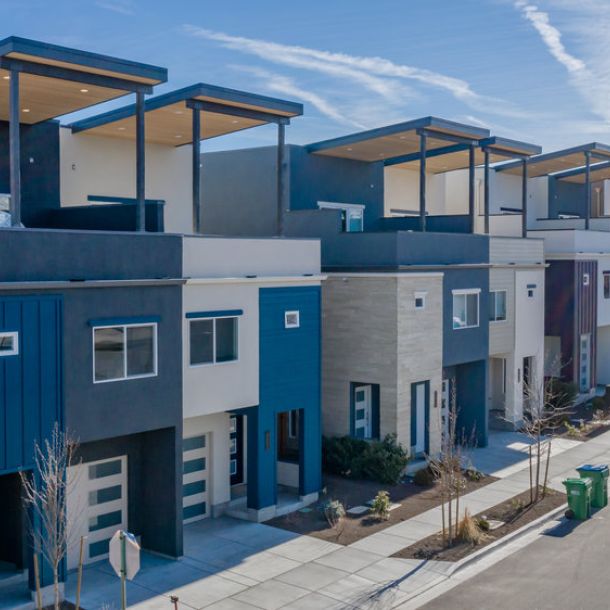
123,572
124,557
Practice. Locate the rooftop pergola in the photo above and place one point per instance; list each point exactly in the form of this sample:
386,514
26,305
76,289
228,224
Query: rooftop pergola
571,164
434,146
196,113
40,81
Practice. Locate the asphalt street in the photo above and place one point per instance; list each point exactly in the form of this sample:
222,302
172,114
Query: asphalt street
565,568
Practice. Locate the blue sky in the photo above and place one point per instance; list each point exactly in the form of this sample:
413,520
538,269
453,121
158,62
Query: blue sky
536,71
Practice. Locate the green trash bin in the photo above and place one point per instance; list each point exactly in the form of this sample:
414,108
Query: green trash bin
579,497
599,476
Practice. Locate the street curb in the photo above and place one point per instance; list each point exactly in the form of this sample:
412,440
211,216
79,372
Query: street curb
494,546
488,550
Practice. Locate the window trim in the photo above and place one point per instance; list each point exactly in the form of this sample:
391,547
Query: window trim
213,318
15,350
126,325
466,292
496,320
293,312
422,296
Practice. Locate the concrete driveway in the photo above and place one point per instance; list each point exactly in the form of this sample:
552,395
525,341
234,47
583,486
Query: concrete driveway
237,565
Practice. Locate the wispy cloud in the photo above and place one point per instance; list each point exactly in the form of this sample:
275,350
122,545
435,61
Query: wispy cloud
117,6
550,35
591,80
376,74
284,85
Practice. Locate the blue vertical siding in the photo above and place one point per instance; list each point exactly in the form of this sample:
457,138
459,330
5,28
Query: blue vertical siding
30,382
289,363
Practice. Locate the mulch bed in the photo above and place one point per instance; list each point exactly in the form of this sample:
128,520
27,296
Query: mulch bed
412,498
584,413
515,513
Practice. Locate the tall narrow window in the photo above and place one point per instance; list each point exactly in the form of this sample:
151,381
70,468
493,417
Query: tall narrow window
465,308
497,305
606,284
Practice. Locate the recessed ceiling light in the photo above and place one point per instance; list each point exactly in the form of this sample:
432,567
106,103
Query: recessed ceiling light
178,112
178,135
84,90
403,137
234,121
350,149
6,77
121,128
26,110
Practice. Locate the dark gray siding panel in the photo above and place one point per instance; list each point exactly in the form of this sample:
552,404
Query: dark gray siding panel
118,408
45,254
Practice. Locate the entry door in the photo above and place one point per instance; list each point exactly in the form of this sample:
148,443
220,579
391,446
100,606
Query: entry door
195,454
585,363
445,401
420,411
363,412
97,506
236,449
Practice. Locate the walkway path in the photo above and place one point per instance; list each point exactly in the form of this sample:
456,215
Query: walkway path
234,565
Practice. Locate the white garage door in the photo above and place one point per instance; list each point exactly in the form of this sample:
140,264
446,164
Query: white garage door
195,478
97,506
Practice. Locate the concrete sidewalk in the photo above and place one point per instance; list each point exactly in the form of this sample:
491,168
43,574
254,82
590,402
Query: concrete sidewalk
235,565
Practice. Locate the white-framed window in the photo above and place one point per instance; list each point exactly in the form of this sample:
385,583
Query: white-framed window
497,305
124,351
420,300
292,319
9,343
213,340
466,308
352,215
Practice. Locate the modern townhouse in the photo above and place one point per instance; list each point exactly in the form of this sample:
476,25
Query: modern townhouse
188,367
417,308
567,207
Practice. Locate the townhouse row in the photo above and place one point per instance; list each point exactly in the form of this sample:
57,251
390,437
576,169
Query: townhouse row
199,321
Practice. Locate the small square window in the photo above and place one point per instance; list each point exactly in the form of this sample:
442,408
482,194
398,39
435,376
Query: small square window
420,300
292,319
9,344
233,467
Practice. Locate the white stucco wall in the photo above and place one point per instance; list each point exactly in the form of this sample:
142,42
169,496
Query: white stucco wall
228,385
603,304
225,257
401,191
218,480
95,165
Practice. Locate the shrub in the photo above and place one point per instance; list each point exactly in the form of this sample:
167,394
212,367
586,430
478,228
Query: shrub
382,461
381,505
424,477
469,531
483,524
472,474
599,404
334,511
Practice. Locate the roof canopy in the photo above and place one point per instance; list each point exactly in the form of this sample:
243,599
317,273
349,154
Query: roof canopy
598,171
559,161
169,119
55,80
447,145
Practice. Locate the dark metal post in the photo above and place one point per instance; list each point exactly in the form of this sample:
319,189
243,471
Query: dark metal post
471,210
140,164
14,149
486,192
422,181
587,189
524,198
196,170
281,175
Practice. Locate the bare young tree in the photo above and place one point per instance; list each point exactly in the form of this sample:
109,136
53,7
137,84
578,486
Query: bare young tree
546,405
45,494
447,468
